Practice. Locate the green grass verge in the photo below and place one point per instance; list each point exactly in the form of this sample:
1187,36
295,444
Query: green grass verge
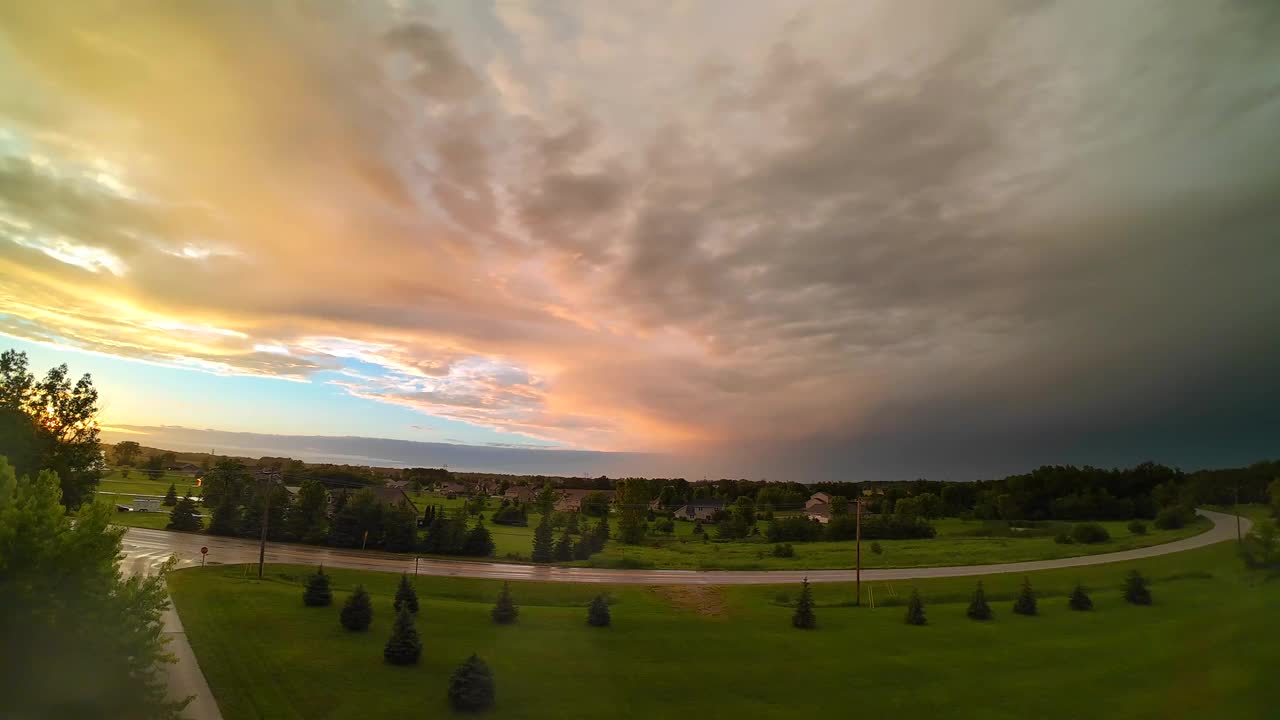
1207,648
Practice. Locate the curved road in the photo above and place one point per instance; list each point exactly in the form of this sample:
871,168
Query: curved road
145,549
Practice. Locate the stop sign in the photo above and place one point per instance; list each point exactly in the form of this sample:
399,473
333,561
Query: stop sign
204,550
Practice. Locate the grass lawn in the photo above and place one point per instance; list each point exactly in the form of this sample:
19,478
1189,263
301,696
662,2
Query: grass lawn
1207,648
114,489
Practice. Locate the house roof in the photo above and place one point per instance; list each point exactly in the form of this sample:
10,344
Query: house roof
705,503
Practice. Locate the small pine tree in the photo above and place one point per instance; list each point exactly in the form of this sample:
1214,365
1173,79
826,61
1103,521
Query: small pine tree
564,547
404,647
803,617
357,613
406,596
978,607
471,687
543,550
171,497
915,609
1025,603
505,611
317,593
1135,589
598,612
183,515
1080,599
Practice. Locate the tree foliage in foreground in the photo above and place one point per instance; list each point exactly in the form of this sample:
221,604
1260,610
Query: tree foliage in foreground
404,647
978,607
317,593
915,609
1080,599
804,617
67,616
471,687
406,596
357,613
505,611
1025,603
1135,589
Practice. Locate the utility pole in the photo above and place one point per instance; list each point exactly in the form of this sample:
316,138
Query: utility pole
857,583
1236,509
262,542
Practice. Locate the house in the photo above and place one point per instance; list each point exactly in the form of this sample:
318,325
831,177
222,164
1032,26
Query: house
818,511
703,509
184,467
396,484
521,493
818,498
571,500
450,489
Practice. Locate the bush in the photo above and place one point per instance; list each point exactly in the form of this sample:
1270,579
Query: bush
1025,603
1089,533
782,598
406,596
915,609
317,593
1135,589
1261,549
1137,527
978,607
1080,599
505,611
598,612
1172,518
471,687
803,617
404,647
357,613
1063,539
896,527
875,548
784,550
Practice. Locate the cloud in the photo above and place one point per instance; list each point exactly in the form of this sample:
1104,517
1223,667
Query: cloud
843,235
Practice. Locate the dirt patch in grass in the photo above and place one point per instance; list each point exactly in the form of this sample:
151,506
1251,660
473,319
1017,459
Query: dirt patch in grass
703,599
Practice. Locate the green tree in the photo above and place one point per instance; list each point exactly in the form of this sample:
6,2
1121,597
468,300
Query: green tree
361,514
1273,491
308,517
399,528
915,609
318,593
803,617
224,485
633,507
598,612
471,686
406,596
978,607
595,504
1025,603
543,551
51,424
404,647
183,516
126,452
479,542
1135,589
1079,599
564,547
69,612
545,500
505,611
225,518
171,497
276,498
357,613
572,524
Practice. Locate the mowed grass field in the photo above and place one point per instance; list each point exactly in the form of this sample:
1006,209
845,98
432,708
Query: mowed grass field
115,489
1208,647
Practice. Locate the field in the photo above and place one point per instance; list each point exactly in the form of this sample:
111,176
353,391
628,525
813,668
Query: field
1205,649
114,489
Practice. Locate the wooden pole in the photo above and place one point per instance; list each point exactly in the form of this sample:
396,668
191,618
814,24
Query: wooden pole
858,553
262,541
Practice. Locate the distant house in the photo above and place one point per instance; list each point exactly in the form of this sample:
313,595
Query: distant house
521,493
818,498
389,497
703,509
396,484
183,467
571,500
818,511
453,488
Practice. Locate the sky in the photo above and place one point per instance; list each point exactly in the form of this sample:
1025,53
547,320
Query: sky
796,240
